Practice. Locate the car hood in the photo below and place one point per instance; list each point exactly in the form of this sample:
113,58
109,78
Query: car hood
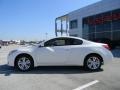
27,48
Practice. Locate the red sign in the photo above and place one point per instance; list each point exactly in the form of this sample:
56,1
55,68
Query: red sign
101,20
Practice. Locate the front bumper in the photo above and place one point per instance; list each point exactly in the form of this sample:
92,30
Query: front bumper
10,60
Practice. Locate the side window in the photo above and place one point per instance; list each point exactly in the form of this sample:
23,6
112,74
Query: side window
72,41
63,42
48,43
55,42
60,42
77,42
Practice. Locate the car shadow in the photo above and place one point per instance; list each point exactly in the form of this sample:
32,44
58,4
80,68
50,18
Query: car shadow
7,70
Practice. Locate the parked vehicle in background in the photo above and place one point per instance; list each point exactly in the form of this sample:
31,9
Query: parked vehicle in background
61,51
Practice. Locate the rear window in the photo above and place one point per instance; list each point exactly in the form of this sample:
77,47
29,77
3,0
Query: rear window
72,41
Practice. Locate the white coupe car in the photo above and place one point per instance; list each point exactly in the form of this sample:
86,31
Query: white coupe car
61,51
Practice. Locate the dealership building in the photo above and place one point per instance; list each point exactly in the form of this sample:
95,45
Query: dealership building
99,21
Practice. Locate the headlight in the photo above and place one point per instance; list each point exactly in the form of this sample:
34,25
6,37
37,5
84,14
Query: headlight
12,52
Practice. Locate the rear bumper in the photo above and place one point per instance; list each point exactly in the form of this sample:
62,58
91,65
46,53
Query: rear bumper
108,57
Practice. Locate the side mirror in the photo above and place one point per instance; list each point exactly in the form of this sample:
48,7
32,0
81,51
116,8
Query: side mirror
41,46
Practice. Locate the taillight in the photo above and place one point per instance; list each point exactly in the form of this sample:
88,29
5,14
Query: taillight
106,46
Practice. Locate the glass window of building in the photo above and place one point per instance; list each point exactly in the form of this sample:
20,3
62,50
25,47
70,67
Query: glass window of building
103,35
74,35
116,35
73,24
99,23
91,24
107,20
85,25
92,36
102,26
116,20
85,28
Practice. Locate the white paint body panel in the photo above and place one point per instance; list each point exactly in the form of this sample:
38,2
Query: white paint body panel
52,55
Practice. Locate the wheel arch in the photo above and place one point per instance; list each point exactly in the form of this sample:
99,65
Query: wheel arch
90,54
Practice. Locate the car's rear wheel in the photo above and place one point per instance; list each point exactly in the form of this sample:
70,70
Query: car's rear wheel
24,63
93,62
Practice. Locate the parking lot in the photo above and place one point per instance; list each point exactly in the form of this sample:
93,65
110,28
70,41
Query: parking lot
59,78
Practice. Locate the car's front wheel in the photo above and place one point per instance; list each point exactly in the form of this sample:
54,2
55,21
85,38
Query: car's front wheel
24,63
93,62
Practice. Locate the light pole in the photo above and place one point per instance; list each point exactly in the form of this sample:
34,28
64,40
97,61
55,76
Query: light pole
46,35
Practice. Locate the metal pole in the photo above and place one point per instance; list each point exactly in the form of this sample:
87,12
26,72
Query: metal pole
61,28
66,27
46,35
56,27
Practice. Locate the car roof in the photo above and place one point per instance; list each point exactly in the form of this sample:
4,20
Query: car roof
70,37
84,40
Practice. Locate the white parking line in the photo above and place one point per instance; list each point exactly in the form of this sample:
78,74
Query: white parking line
86,85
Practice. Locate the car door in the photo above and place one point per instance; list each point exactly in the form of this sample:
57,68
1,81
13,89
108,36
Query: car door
75,51
53,53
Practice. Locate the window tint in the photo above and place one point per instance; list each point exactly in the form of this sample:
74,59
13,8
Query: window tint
63,42
60,42
48,43
72,41
55,42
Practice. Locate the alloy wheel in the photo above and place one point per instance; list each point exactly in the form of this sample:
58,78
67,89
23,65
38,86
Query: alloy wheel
24,63
93,63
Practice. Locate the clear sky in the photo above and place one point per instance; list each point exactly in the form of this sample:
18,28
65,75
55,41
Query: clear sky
31,19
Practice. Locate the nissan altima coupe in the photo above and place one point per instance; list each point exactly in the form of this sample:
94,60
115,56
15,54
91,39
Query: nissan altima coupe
61,51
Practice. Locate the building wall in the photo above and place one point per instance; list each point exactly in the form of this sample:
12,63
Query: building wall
99,7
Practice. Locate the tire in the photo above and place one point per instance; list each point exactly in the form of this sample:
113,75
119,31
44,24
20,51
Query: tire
93,62
24,63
